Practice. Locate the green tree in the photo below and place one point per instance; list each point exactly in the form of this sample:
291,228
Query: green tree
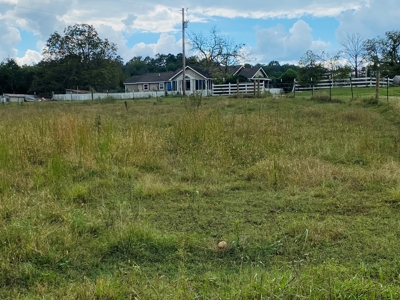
273,69
384,52
311,67
78,58
161,63
9,76
136,66
14,78
287,80
276,72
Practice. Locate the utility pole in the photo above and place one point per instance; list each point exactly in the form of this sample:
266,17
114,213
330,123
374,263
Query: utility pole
184,25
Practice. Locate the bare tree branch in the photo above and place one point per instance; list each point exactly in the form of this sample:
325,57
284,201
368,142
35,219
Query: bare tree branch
353,49
216,52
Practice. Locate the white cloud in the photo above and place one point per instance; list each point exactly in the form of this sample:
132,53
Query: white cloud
278,44
371,20
30,58
165,44
41,17
9,37
119,20
277,9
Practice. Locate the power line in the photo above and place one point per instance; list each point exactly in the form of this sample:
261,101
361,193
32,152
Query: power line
81,5
28,8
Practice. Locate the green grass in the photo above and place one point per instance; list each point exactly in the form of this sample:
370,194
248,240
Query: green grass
103,201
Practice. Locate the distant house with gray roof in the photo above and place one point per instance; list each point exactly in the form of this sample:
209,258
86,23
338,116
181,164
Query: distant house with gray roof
197,80
252,74
150,82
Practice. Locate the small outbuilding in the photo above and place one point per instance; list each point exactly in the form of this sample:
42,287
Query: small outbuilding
18,98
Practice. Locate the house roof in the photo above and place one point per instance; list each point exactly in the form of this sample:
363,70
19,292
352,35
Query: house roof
14,95
24,96
72,91
233,70
150,77
251,72
198,70
202,72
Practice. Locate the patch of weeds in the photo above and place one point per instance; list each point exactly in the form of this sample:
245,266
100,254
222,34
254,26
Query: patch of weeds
193,101
370,101
108,99
325,98
269,172
242,96
79,193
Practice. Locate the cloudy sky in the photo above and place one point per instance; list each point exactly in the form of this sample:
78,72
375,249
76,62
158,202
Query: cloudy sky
271,30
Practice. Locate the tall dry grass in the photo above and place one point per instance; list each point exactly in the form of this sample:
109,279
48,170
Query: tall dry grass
101,202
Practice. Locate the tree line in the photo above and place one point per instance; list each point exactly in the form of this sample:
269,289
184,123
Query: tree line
79,59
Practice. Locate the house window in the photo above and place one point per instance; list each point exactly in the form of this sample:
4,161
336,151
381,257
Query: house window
200,85
145,87
188,84
161,86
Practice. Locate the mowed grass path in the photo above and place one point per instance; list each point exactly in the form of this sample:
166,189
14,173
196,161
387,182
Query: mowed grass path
103,201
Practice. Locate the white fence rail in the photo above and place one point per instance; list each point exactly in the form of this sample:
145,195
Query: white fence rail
242,88
94,96
130,95
353,82
99,96
234,88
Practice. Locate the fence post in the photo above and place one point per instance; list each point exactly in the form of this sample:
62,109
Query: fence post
294,87
312,86
377,83
351,87
387,89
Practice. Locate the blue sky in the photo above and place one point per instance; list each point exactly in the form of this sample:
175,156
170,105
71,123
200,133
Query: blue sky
272,30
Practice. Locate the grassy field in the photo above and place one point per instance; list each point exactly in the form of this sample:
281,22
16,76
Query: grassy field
107,200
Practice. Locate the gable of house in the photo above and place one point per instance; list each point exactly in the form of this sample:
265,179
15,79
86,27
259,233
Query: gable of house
192,73
197,79
253,73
